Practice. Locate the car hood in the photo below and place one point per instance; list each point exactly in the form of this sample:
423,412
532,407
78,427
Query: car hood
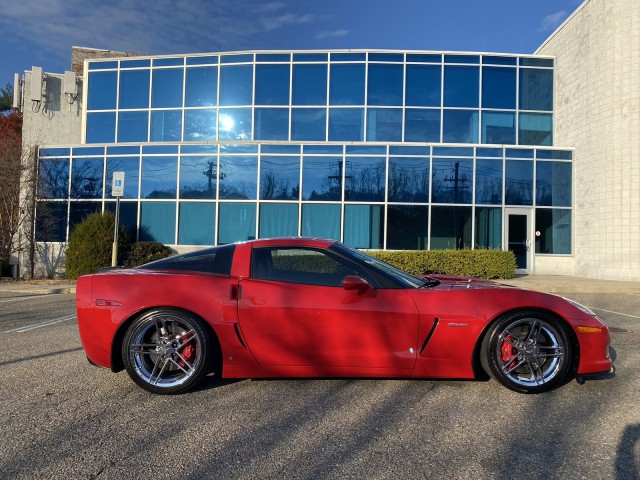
459,281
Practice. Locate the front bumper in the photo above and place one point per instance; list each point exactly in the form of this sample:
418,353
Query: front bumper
581,378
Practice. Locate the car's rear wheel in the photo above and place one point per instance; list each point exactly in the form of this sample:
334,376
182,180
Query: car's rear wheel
167,351
528,351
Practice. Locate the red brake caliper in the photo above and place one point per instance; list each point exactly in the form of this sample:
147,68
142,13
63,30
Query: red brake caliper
507,352
187,352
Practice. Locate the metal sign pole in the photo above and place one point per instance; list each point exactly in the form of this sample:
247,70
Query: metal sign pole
114,250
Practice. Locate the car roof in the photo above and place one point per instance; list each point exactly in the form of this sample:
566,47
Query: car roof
293,242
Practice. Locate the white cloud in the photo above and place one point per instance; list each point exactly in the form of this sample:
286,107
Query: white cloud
332,34
551,22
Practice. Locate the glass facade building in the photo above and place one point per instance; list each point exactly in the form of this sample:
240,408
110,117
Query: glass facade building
382,150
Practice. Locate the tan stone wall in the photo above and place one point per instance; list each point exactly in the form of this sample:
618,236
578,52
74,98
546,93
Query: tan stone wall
597,111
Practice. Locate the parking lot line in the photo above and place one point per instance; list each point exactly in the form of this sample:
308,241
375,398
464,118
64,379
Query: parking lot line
17,299
616,313
46,323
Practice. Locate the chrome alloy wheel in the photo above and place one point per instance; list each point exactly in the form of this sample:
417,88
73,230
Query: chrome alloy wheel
165,350
530,352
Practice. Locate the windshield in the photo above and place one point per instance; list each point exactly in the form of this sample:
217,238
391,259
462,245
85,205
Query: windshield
402,277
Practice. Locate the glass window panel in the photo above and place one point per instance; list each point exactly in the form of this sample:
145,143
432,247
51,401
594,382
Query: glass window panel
273,57
236,85
310,57
519,182
535,129
53,178
135,63
309,124
158,222
201,87
347,84
453,151
460,126
421,125
363,226
86,177
519,153
461,86
238,177
365,179
536,62
384,124
536,89
134,89
237,222
553,184
200,125
386,57
102,65
498,87
279,178
408,150
211,149
309,84
237,58
424,58
348,57
322,178
278,220
499,127
407,227
131,168
123,150
553,231
271,124
555,154
321,221
488,228
55,152
197,222
78,211
86,151
166,125
385,84
167,88
461,59
234,124
272,85
423,85
159,149
202,60
366,149
450,228
241,148
408,179
101,127
133,126
494,60
323,148
452,180
102,90
128,216
346,124
279,148
159,177
198,177
489,152
51,221
489,182
168,62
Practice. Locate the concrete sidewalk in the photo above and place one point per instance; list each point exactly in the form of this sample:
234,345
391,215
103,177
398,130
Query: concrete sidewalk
559,284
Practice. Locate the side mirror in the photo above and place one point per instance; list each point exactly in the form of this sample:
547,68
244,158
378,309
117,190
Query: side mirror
359,284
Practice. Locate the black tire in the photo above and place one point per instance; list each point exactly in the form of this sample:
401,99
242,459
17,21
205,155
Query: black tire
167,351
528,352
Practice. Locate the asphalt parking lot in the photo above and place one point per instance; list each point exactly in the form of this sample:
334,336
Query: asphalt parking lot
63,418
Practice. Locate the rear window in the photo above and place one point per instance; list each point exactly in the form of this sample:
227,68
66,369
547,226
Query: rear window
212,260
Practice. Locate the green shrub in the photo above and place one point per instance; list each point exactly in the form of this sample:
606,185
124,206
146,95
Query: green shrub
145,252
90,245
481,263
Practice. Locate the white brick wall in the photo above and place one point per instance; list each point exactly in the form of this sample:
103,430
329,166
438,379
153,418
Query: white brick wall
597,111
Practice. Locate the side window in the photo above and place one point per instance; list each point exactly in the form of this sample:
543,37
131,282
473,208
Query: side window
299,265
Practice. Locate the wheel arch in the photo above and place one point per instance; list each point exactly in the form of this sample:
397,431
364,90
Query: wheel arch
117,363
478,370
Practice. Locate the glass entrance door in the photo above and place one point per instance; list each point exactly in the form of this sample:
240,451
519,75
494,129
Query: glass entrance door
518,232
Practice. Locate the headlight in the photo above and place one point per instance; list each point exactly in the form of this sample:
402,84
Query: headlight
581,307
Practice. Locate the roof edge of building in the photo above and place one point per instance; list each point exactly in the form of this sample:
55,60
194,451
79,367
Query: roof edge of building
561,26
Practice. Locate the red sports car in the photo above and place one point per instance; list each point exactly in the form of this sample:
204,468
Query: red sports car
298,307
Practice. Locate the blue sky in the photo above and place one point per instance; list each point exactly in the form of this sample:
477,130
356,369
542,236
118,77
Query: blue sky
41,32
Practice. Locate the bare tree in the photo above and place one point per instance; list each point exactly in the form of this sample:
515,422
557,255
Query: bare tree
16,220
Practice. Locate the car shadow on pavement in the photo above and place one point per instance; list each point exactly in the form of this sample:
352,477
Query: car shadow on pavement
627,462
36,357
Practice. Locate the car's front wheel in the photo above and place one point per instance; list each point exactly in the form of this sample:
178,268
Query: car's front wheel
167,351
528,351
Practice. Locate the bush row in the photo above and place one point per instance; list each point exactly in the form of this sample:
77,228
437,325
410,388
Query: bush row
91,242
474,263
